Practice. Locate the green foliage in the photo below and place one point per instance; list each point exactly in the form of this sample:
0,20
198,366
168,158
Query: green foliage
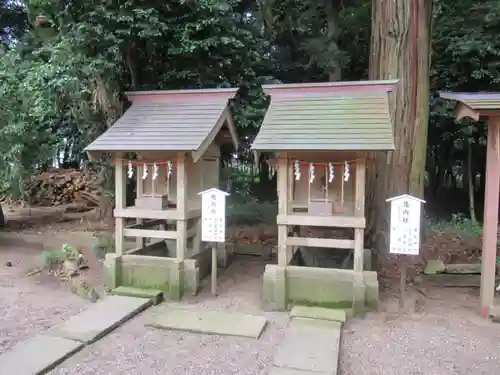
459,225
252,213
62,80
51,260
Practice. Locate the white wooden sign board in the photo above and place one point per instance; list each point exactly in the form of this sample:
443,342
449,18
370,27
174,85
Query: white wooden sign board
405,225
213,215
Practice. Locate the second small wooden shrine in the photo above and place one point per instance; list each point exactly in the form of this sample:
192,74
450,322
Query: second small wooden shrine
321,134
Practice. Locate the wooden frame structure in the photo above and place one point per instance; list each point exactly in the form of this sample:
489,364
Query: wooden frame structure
325,129
170,141
475,106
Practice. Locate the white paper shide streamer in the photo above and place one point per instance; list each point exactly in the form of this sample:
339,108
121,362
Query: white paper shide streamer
331,172
145,171
296,170
311,173
346,171
169,169
130,171
155,171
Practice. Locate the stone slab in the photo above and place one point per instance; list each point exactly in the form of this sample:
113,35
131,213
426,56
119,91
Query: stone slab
434,266
311,312
37,355
472,268
210,322
289,371
155,295
310,345
453,280
100,319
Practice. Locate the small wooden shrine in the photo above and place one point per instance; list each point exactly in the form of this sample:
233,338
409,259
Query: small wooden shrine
474,106
169,141
321,134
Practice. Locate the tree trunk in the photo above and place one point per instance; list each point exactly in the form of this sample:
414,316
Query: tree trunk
2,217
400,49
471,176
332,8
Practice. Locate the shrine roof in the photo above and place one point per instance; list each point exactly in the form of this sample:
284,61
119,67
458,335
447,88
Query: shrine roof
327,116
475,100
181,120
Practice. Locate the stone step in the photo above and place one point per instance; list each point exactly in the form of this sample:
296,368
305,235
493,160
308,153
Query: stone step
312,312
309,345
37,355
210,322
156,296
100,319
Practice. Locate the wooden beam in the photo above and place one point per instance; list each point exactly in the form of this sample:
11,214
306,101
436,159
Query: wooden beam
147,224
150,233
142,213
464,111
321,221
182,182
491,200
171,214
320,242
225,118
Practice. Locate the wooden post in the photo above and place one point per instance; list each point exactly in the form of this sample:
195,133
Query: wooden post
120,203
359,211
214,269
181,242
490,221
140,241
282,207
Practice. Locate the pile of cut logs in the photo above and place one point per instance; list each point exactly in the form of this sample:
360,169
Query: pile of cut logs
63,186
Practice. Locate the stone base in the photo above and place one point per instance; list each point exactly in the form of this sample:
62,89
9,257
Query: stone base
308,286
168,275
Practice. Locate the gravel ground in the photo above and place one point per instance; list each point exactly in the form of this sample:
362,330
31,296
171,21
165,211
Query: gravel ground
447,337
29,304
134,349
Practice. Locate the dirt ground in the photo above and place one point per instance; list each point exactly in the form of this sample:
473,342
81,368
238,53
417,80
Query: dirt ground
439,332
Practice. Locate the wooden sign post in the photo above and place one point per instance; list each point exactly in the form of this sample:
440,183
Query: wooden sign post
213,224
404,233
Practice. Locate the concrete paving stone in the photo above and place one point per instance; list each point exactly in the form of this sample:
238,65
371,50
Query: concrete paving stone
153,294
338,315
37,355
100,319
210,322
289,371
310,345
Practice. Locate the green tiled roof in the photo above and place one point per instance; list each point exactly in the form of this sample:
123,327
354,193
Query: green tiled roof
358,122
165,125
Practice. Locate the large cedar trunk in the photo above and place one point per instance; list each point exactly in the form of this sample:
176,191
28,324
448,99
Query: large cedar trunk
400,49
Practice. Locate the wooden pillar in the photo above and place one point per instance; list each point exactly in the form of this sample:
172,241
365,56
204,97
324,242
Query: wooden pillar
181,242
490,221
120,203
140,241
359,211
282,207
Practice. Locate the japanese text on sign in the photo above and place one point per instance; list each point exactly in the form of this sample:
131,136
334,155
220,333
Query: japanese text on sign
405,226
213,217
